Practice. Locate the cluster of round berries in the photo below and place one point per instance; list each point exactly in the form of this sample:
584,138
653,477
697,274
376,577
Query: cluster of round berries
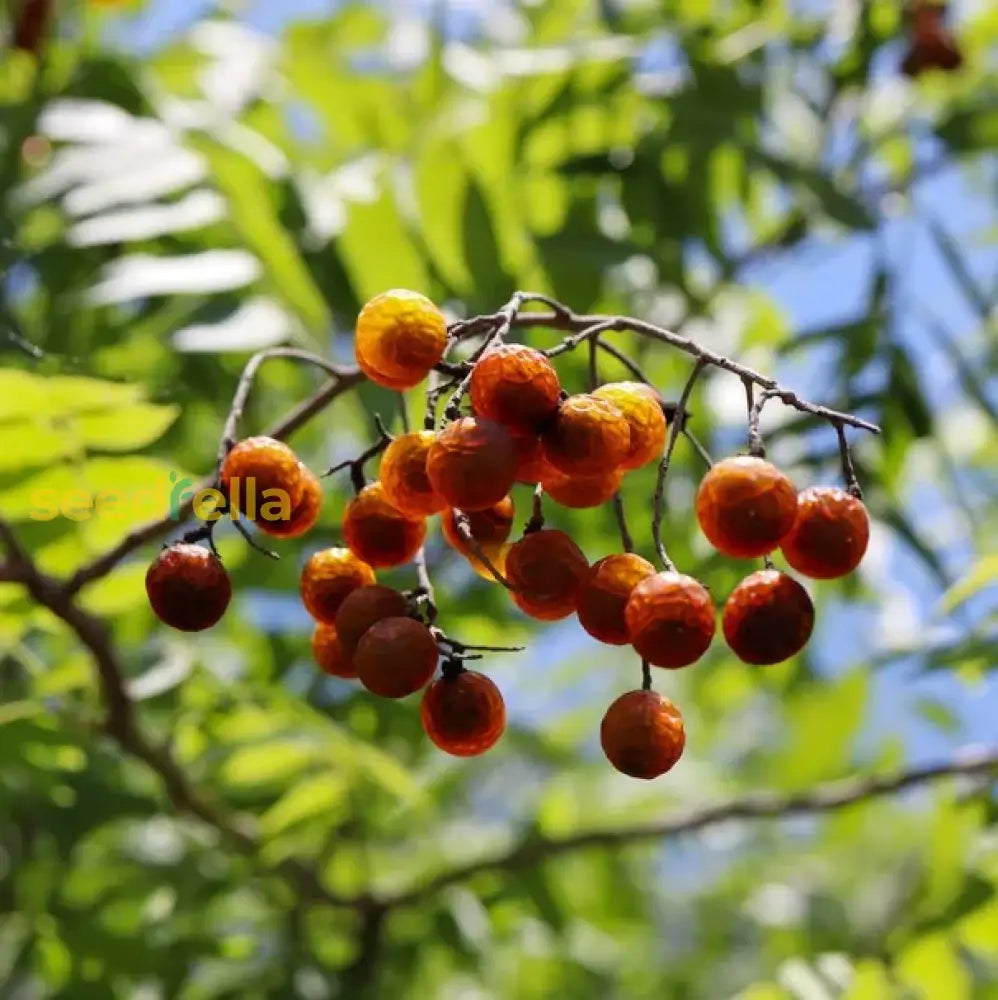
524,428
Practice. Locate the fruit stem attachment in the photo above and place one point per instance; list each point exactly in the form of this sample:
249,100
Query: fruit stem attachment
536,522
463,526
848,469
458,649
252,542
754,406
356,465
645,675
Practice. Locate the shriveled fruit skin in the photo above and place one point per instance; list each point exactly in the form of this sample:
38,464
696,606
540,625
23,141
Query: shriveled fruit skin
463,715
328,577
515,386
580,492
545,569
361,608
304,515
829,535
768,618
745,506
489,527
472,463
270,464
642,409
188,588
587,436
395,657
403,475
604,593
670,619
378,533
642,734
329,654
400,336
531,465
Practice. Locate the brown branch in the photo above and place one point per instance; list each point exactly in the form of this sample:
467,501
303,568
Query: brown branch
823,798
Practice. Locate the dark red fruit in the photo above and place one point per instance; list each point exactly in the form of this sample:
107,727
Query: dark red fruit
670,619
361,608
830,533
768,618
464,715
188,587
604,593
395,657
642,734
515,386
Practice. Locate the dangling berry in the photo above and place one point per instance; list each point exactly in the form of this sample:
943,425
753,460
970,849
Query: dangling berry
463,714
361,608
588,436
768,618
531,465
379,534
642,409
403,476
395,657
604,593
830,534
582,491
545,569
489,527
329,654
400,336
745,506
472,463
670,619
256,466
515,386
328,577
642,734
188,587
303,516
932,45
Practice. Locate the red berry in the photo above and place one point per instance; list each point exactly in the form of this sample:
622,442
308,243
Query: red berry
361,608
188,587
254,468
329,654
830,533
642,409
515,386
588,436
545,569
328,577
303,516
489,527
768,618
642,734
472,463
464,715
604,593
670,619
403,476
379,534
395,657
582,491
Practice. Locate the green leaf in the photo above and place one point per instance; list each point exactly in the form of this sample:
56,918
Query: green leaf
320,796
125,429
931,967
950,251
266,764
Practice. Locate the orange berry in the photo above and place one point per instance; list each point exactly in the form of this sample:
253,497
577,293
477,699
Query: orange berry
588,436
464,715
642,734
745,506
829,535
361,608
400,336
303,515
670,619
545,568
768,618
472,463
329,654
187,587
328,577
604,592
379,534
260,464
582,491
531,465
489,527
516,386
642,409
395,657
403,475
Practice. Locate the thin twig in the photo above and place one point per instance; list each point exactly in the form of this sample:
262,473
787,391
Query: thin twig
463,526
645,675
848,469
356,465
698,447
626,539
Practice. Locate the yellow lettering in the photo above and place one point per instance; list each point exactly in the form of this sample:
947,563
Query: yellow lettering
77,505
206,504
44,505
106,503
277,507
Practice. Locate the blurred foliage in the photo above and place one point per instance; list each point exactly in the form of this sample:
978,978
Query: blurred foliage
164,216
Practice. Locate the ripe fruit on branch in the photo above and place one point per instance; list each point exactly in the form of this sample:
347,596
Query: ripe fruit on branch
463,714
932,43
582,491
531,465
515,386
642,734
328,577
400,336
588,436
361,608
745,506
379,534
768,618
642,409
256,465
489,527
545,569
604,593
670,619
472,463
329,653
830,534
403,475
303,515
188,587
395,657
